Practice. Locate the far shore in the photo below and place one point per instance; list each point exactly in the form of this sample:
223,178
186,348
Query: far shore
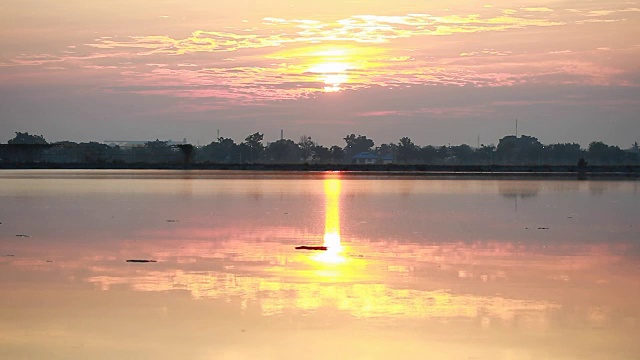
535,171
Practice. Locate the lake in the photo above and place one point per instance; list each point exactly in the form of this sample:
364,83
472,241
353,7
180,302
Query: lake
415,267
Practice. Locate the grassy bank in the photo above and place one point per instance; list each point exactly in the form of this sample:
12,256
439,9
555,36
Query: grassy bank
478,170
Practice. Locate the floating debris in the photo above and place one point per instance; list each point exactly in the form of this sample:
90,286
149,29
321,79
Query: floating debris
543,228
22,235
170,220
317,248
141,261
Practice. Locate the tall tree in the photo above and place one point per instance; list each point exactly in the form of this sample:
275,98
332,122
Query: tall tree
306,146
567,153
283,151
224,150
407,150
428,154
390,149
321,154
462,154
25,147
357,144
24,138
337,154
156,151
254,143
485,154
519,150
603,154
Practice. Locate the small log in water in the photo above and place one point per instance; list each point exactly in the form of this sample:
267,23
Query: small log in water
318,248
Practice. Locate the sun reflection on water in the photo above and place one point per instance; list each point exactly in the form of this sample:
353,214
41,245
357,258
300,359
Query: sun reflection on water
332,239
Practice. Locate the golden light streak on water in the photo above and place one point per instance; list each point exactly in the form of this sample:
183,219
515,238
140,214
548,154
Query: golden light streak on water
332,241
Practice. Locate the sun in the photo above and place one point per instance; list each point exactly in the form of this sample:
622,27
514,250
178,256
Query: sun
336,66
333,74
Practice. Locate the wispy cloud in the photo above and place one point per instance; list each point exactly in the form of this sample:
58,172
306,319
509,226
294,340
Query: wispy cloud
279,59
356,29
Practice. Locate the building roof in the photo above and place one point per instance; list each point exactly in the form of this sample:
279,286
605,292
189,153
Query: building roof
365,155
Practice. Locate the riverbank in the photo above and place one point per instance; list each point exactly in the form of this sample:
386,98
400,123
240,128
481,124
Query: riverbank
591,171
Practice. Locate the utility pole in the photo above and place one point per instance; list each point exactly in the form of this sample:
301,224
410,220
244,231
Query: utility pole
516,127
281,134
218,135
478,146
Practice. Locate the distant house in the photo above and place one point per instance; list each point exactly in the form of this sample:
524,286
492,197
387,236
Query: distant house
364,158
368,158
387,159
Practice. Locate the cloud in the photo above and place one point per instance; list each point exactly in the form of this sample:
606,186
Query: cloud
282,59
372,29
486,52
537,9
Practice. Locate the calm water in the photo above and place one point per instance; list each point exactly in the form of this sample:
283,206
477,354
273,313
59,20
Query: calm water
415,268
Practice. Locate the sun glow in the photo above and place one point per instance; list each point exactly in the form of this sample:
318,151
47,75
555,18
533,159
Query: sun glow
336,66
332,66
333,74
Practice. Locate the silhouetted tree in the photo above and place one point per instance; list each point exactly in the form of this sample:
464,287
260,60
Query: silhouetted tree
156,151
519,150
603,154
442,154
485,154
94,152
224,150
63,152
306,146
357,144
407,150
25,147
187,152
385,150
254,144
23,138
428,154
283,151
337,154
567,153
321,154
462,154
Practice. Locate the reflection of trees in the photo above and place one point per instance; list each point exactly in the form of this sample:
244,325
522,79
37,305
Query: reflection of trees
519,189
600,187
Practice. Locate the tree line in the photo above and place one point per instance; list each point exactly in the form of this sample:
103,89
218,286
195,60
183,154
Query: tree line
511,150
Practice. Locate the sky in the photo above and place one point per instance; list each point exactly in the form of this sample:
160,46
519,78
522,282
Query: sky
439,72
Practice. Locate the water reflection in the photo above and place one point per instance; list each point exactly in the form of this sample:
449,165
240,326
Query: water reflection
332,239
519,189
433,260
